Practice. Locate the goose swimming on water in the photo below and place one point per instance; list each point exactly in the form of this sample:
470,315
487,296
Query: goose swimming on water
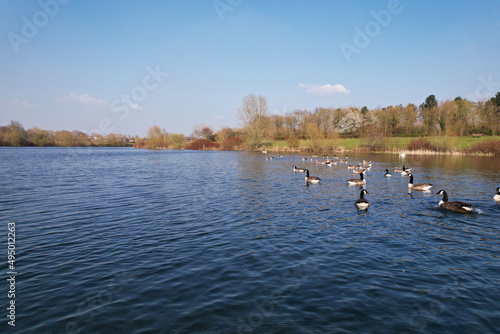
358,171
311,179
297,169
497,195
418,186
362,203
405,171
387,174
356,182
455,206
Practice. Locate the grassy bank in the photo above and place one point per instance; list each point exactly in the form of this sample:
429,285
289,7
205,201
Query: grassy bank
426,145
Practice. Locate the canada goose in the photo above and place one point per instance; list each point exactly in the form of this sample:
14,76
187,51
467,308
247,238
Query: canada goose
418,186
405,171
328,162
497,195
297,169
304,159
280,156
315,156
362,203
455,206
397,170
351,167
387,174
356,182
311,179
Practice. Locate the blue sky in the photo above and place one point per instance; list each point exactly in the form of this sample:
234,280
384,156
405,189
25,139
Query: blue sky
122,66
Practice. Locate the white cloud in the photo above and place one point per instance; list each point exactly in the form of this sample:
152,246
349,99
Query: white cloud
325,90
84,99
20,104
135,106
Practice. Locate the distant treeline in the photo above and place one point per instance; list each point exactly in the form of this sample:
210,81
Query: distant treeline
203,137
458,117
14,134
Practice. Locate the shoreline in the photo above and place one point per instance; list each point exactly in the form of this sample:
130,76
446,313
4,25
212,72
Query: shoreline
454,152
279,147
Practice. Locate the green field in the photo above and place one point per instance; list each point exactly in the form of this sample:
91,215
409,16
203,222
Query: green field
390,144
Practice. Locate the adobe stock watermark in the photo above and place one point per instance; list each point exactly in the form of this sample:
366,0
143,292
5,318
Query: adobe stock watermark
130,101
223,6
31,27
372,29
486,88
429,313
292,279
87,311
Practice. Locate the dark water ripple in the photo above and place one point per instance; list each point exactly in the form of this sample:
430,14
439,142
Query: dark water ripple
136,241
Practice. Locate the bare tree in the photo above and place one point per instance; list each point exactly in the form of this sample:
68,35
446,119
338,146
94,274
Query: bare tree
314,134
290,124
409,118
254,117
203,131
157,137
278,127
490,116
325,118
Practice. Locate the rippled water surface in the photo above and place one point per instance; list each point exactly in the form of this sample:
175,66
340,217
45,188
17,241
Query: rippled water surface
138,241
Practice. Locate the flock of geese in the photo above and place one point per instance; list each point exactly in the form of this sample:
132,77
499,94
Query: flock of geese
361,168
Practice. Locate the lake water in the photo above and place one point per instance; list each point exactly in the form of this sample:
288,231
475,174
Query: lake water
138,241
